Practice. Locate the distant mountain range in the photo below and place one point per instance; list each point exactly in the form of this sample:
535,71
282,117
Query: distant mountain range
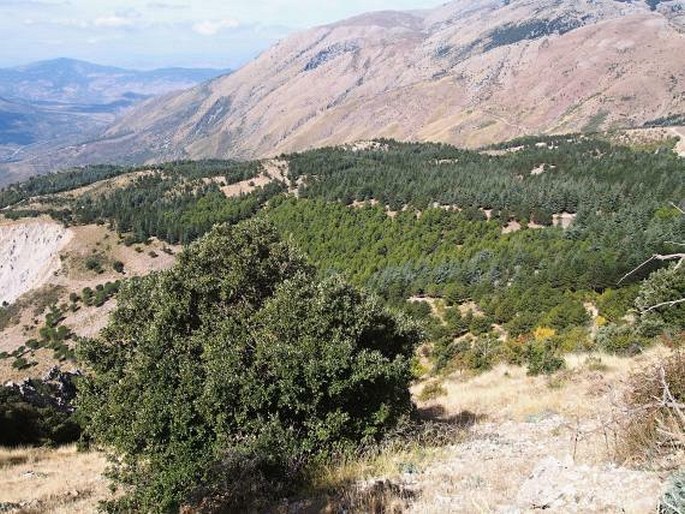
47,105
79,82
470,72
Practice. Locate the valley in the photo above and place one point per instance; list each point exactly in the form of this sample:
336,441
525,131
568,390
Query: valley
48,105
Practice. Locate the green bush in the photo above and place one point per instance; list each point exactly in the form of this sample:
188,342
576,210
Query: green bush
21,363
543,357
662,286
444,350
621,339
221,379
456,324
93,263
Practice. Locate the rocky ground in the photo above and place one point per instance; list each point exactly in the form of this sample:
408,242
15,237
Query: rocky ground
516,467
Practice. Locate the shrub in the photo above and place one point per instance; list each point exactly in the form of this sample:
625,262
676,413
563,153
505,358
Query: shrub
571,313
613,304
432,391
456,323
93,264
542,356
576,339
661,287
479,325
655,423
33,344
673,499
217,381
21,363
521,324
620,340
118,266
448,352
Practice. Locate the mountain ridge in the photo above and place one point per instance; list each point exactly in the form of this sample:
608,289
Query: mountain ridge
466,73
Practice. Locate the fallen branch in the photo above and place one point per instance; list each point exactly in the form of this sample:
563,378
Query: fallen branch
663,304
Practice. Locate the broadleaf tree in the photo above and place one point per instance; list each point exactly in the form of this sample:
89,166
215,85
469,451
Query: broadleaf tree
218,381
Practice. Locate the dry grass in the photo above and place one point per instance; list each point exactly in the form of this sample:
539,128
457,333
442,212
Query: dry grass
570,418
58,481
375,481
508,393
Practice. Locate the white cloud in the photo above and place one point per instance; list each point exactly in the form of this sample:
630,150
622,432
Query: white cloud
166,5
69,22
211,28
114,21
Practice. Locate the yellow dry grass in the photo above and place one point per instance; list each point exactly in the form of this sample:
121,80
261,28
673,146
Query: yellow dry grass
507,392
59,481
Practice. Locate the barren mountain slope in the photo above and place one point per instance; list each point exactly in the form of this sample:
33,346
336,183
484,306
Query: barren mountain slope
469,72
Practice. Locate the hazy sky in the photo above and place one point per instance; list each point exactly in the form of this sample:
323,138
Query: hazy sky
148,34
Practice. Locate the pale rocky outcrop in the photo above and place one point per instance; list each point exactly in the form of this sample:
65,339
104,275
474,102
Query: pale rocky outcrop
29,255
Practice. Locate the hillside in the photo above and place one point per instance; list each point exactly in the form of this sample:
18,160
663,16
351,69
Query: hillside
548,218
514,261
469,73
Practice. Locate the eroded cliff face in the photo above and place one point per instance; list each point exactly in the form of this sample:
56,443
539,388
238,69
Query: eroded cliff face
29,255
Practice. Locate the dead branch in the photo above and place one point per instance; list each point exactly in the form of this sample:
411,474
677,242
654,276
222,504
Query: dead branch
677,208
668,397
663,304
656,257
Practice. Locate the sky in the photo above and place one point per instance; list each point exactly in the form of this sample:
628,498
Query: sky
149,34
